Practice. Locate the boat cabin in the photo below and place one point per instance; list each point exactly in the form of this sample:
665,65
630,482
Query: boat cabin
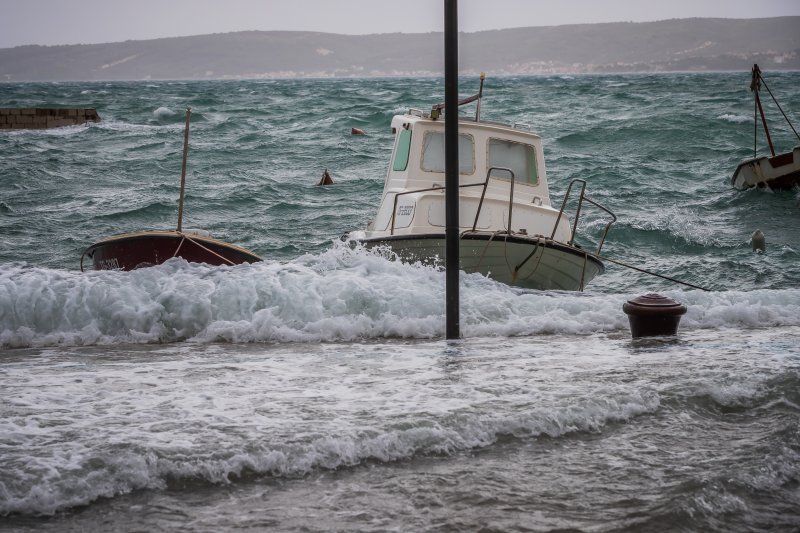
502,178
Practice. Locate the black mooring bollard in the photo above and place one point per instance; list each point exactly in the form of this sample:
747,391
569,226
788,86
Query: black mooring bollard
652,314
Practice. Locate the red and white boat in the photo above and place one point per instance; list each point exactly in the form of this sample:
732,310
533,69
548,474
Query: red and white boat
776,171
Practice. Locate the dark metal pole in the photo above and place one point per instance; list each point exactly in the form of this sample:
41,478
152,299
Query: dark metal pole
451,167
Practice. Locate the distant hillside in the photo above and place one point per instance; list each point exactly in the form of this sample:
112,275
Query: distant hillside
669,45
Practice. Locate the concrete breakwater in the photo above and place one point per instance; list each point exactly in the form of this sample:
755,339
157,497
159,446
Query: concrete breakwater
42,118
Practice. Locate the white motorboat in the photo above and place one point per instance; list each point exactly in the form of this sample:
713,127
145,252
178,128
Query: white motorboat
776,171
509,230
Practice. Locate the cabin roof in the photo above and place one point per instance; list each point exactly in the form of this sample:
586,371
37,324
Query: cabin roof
465,124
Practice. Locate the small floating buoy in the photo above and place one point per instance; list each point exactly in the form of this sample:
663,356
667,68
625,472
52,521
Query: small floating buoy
357,131
325,179
652,314
758,241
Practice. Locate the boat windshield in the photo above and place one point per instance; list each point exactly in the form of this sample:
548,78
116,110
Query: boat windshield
433,153
519,157
402,150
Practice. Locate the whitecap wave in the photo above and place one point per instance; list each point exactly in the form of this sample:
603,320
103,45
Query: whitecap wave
736,119
118,125
62,131
120,469
681,224
342,294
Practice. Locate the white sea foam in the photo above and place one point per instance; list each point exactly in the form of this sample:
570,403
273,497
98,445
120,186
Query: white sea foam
342,294
63,131
682,224
118,125
736,119
730,393
81,472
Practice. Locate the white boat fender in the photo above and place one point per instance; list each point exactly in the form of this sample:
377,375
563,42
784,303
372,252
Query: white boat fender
758,241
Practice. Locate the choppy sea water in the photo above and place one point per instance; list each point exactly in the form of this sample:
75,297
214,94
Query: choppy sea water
312,391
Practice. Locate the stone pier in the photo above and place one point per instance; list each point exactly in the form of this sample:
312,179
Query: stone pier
41,118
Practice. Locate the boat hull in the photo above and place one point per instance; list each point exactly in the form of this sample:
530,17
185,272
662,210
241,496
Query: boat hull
779,172
147,248
518,260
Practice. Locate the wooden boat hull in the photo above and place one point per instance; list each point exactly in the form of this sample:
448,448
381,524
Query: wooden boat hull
779,172
518,260
147,248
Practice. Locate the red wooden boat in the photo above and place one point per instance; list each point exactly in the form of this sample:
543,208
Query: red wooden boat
129,251
147,248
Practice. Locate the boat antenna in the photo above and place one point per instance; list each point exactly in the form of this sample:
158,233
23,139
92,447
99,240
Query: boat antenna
436,110
480,95
183,167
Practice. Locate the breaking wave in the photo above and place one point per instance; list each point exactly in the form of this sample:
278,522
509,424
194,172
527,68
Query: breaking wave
736,119
339,295
124,467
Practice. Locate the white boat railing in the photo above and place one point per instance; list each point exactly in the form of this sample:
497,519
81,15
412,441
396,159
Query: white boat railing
483,184
581,199
483,194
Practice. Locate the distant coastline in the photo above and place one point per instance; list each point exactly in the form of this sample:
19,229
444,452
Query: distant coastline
677,45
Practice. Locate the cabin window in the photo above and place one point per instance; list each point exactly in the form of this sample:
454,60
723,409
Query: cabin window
433,153
402,151
519,157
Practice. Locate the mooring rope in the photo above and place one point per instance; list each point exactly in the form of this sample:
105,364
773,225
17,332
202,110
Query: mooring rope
201,246
536,247
777,104
483,253
642,270
178,249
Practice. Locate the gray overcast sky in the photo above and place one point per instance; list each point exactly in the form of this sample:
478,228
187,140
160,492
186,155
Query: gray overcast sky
51,22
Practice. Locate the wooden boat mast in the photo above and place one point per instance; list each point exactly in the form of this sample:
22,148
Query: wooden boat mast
755,86
183,167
